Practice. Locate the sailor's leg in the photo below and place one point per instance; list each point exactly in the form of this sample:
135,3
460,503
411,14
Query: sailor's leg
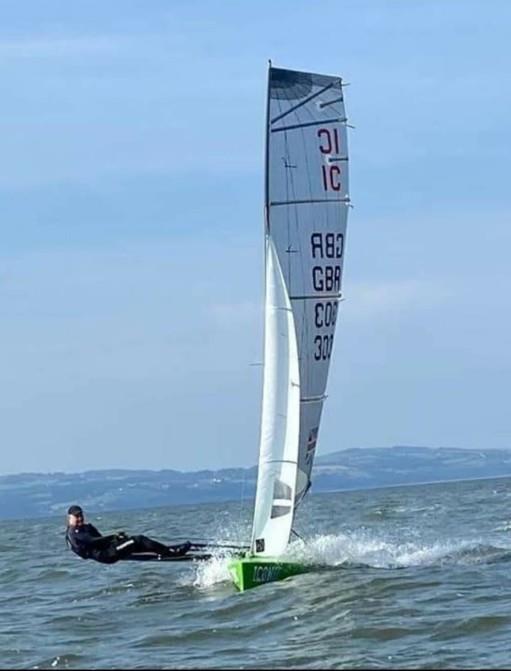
145,544
108,554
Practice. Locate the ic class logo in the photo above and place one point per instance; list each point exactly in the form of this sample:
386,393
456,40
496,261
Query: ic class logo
266,573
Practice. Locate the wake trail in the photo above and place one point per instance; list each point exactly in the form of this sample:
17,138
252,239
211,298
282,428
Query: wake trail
361,550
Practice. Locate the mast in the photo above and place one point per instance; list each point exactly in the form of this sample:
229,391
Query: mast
266,159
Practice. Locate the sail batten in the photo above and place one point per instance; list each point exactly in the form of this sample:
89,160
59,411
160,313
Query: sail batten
304,201
307,124
316,298
306,207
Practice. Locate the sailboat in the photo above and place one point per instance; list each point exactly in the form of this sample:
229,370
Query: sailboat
306,209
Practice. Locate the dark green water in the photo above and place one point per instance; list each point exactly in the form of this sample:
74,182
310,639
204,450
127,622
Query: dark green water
414,577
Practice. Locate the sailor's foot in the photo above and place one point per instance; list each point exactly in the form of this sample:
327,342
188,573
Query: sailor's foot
179,550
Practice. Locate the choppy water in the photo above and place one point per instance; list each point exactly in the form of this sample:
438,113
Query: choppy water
415,577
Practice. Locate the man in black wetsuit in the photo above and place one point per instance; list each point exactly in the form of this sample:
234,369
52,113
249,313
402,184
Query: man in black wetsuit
87,542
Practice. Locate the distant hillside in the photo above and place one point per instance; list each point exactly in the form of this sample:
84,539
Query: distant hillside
34,494
385,466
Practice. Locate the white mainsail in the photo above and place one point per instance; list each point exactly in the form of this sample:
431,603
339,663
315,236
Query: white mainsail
306,205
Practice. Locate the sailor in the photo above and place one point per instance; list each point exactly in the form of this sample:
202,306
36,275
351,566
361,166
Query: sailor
88,543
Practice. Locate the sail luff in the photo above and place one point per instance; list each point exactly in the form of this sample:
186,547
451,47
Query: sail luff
266,161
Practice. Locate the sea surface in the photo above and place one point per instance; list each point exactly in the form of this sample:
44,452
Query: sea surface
412,577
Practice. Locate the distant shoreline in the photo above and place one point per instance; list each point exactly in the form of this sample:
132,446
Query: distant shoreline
412,484
35,495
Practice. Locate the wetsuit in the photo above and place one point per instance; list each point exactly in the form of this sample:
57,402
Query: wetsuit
87,542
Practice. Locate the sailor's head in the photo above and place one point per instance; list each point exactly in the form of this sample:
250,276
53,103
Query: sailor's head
74,516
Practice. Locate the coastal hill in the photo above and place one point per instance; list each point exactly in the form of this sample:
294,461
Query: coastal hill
41,495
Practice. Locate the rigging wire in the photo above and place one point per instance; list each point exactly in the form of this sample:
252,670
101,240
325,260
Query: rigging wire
298,536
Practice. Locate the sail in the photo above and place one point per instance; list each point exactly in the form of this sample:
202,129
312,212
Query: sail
276,483
306,215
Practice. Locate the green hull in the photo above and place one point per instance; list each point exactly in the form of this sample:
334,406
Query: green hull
252,571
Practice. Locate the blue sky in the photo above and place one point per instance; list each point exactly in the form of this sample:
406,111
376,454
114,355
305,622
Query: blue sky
131,158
